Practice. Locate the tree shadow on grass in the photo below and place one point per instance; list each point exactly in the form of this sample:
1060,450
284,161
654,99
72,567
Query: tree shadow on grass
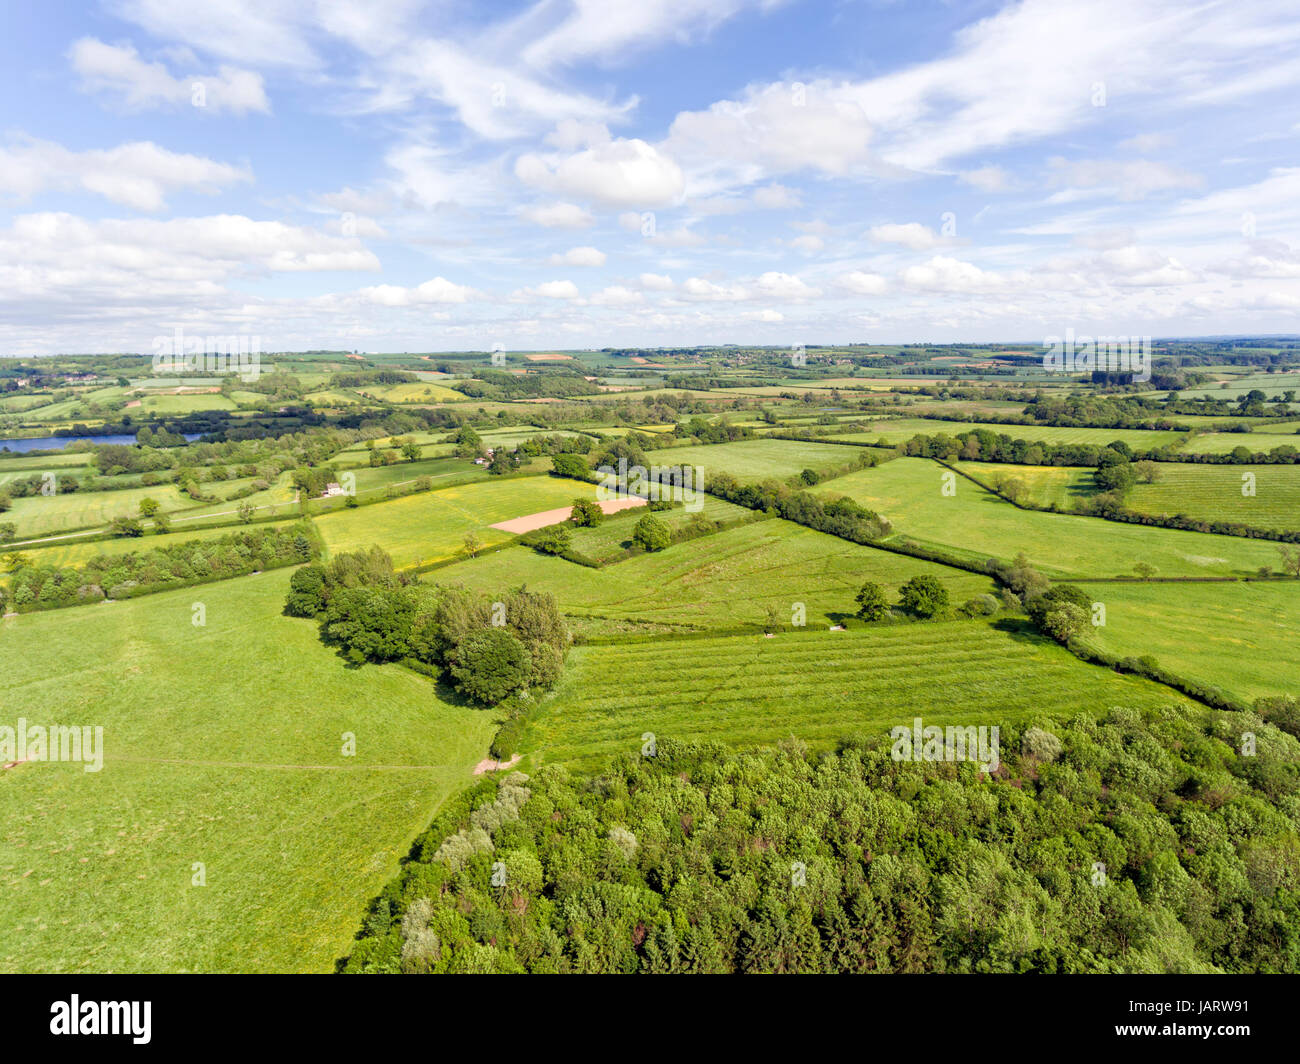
1021,629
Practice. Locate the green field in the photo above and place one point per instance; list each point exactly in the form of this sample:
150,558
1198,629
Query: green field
727,580
613,536
39,515
756,459
431,526
903,429
1226,442
977,524
1237,636
819,686
1045,486
1214,493
222,746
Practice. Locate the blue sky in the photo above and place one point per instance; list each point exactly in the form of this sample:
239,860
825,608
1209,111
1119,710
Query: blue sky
386,175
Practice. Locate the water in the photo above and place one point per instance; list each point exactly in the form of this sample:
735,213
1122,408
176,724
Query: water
56,443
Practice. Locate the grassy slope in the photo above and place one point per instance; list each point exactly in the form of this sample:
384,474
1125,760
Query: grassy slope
1213,493
974,521
756,459
95,868
725,580
431,526
819,686
1240,637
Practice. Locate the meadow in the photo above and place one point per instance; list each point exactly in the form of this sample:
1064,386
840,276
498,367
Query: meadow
756,459
726,580
820,687
223,746
1226,442
613,536
1044,486
903,429
1215,493
1237,636
431,526
976,524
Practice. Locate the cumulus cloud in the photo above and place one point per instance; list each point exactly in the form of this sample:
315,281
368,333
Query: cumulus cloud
559,216
437,290
862,283
620,173
583,256
137,175
911,235
945,274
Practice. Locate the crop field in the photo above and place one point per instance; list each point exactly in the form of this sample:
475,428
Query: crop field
213,757
905,428
726,580
756,459
818,686
1215,493
1238,636
977,524
431,526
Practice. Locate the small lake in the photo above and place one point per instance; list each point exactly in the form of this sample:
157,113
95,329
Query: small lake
57,443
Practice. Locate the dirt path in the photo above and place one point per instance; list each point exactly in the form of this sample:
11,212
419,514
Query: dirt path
531,522
488,765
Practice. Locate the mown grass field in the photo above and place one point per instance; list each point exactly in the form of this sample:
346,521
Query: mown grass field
67,552
977,524
223,746
1044,486
1226,442
613,536
431,526
37,515
1214,493
727,580
903,429
818,686
756,459
1238,636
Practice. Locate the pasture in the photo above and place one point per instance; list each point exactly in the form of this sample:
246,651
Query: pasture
903,429
727,580
976,524
1215,493
431,526
751,460
1239,636
818,686
222,746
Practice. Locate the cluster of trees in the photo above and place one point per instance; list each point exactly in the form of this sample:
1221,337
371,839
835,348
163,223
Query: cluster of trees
838,516
1138,842
552,382
922,596
32,586
982,445
490,649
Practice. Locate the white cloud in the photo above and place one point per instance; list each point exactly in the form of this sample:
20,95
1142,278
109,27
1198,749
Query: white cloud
620,173
986,179
776,197
118,69
1132,179
863,284
555,290
617,296
808,244
437,290
583,256
559,216
656,282
912,235
945,274
137,175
